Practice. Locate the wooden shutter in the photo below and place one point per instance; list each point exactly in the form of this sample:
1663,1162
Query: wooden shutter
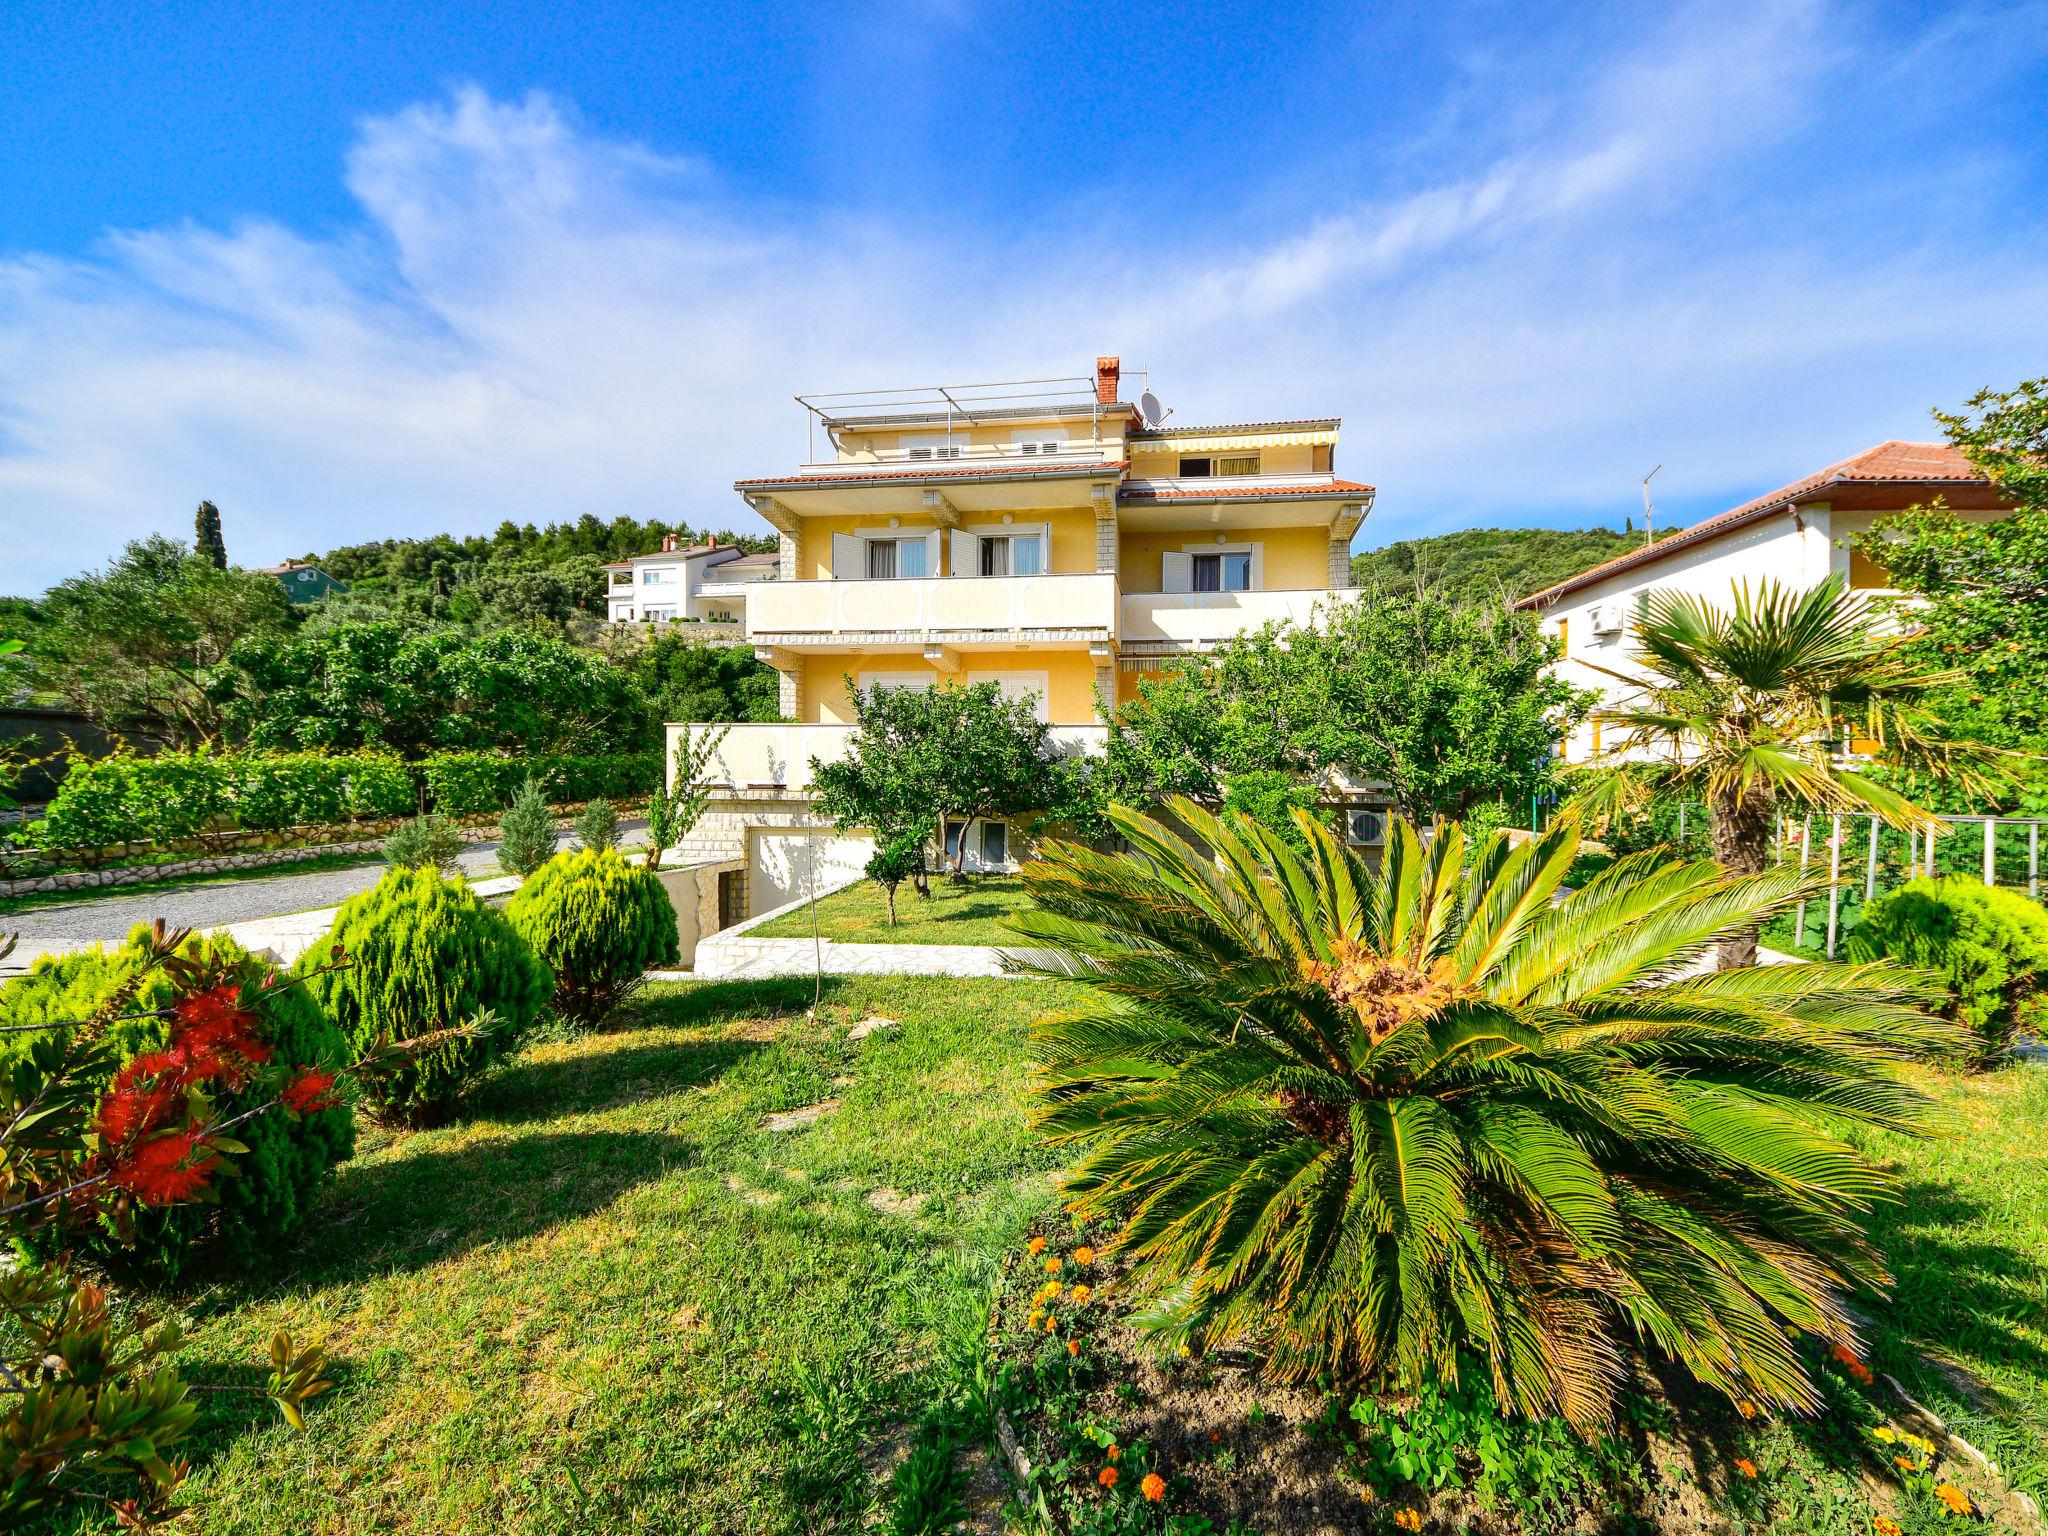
849,558
1176,571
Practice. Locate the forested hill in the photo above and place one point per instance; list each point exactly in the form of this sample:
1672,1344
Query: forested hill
519,573
1476,564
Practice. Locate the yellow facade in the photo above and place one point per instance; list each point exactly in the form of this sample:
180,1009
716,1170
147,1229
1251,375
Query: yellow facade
1293,559
1071,538
1069,678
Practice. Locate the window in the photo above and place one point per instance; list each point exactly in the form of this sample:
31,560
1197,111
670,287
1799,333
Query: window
1223,572
995,843
955,830
935,447
1017,554
1194,469
1039,440
893,559
651,578
1228,464
653,614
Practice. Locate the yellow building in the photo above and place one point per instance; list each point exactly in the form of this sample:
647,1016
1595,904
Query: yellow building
1049,535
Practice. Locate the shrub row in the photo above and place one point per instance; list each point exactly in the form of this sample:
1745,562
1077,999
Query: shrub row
179,795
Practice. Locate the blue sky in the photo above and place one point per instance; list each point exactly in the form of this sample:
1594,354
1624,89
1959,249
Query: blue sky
355,271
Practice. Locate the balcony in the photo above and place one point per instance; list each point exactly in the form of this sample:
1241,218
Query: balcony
1187,623
966,455
776,759
995,611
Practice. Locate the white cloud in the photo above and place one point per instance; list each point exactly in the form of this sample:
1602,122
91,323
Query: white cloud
533,320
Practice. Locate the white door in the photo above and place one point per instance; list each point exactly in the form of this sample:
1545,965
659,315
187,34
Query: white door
780,864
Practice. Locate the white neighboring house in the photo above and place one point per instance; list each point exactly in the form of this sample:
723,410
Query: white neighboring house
1795,536
688,583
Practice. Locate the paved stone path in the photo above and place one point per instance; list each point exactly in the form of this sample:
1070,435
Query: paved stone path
95,918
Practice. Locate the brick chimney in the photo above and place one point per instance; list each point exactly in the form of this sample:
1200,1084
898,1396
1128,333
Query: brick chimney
668,543
1107,370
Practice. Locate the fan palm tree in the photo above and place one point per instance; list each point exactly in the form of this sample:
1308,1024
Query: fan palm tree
1379,1122
1745,709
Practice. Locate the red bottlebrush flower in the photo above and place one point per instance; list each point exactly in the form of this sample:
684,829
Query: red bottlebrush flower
215,1005
215,1035
163,1170
308,1093
142,1095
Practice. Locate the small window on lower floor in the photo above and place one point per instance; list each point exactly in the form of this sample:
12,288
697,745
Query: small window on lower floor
955,830
995,843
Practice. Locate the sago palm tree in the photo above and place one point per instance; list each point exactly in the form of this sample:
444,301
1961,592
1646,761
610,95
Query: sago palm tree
1745,708
1376,1122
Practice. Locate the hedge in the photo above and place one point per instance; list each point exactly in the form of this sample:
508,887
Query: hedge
179,795
1990,944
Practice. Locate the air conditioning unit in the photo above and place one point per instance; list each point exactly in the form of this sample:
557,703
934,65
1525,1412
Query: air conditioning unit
1366,829
1609,619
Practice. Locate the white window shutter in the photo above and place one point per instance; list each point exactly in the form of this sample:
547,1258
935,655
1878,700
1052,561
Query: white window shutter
1044,532
849,558
935,552
1259,565
1176,571
966,554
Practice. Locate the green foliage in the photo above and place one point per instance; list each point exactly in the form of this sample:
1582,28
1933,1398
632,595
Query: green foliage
1372,1120
598,923
924,757
177,795
1991,944
1455,1435
288,1156
474,783
431,841
1448,707
414,692
693,681
207,542
1988,618
597,825
927,1490
526,832
427,957
137,646
1271,798
899,859
1477,567
676,805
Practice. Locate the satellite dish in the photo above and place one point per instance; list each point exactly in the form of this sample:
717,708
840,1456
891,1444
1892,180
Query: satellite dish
1151,410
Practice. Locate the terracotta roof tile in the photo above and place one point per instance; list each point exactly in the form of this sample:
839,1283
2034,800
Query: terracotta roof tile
1890,462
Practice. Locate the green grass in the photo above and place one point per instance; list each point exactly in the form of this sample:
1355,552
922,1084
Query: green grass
957,912
316,864
608,1300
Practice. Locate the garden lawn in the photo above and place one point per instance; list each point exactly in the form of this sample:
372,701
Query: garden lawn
610,1300
957,912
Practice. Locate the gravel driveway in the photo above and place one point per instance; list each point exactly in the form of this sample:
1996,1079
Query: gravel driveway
96,919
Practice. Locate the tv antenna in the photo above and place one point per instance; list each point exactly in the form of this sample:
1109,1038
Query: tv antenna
1649,512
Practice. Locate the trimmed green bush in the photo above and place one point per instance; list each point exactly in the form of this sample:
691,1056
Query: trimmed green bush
597,825
1990,943
428,955
129,799
288,1155
431,841
477,783
598,922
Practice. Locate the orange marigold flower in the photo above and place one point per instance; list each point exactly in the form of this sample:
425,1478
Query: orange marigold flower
1746,1408
1408,1519
1081,1293
1884,1525
1035,1247
1114,1452
1905,1464
1957,1501
1073,1346
1084,1255
1052,1265
1745,1466
1106,1477
1154,1487
1053,1288
1051,1323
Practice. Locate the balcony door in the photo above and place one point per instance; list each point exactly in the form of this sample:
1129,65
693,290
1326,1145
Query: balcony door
1019,549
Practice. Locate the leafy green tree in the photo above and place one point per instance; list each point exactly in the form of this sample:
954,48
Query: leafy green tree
1987,583
955,753
686,682
526,832
137,646
1486,566
1375,1121
676,806
207,543
898,856
1746,708
1449,708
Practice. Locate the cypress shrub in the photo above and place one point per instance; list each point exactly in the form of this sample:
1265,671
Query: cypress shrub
431,841
428,955
288,1156
597,825
526,832
1991,945
598,922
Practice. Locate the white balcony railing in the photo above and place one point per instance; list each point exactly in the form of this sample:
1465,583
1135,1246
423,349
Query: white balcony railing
1083,451
1167,623
1053,607
778,757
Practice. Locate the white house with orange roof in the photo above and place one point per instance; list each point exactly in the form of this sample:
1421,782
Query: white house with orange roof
1049,535
1797,536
